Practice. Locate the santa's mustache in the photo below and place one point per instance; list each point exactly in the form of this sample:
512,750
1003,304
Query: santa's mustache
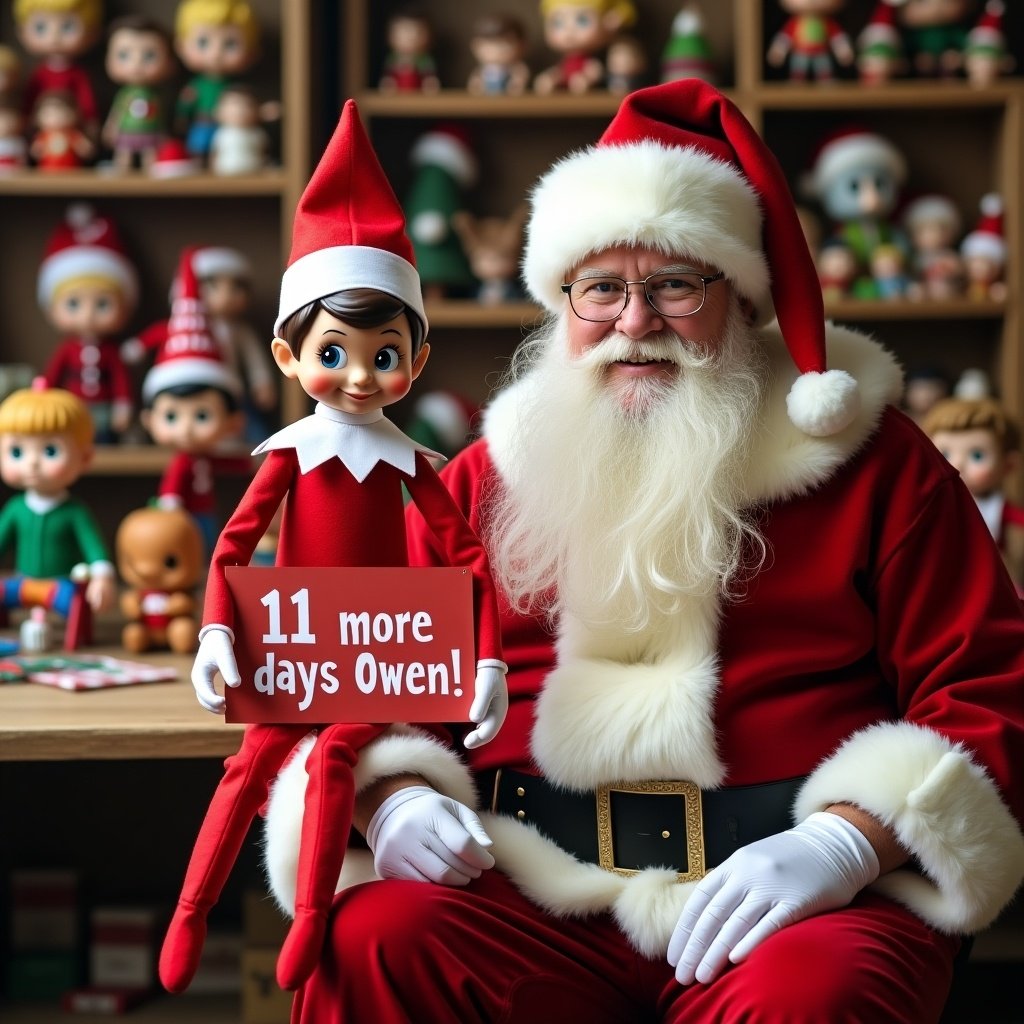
617,348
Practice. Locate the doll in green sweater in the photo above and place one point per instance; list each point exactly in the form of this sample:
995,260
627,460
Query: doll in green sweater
46,442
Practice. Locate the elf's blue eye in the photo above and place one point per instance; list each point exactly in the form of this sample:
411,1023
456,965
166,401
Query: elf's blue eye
16,452
333,357
51,451
977,455
387,359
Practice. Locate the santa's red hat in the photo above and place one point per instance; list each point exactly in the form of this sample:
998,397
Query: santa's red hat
349,229
987,238
682,171
85,244
190,355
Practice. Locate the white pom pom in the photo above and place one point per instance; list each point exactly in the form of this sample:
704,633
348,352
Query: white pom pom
991,205
821,404
429,227
79,214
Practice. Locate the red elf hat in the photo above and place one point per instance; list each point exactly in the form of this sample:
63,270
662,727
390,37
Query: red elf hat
190,355
349,229
680,170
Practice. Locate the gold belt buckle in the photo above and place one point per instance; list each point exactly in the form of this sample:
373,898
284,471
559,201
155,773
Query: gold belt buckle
693,817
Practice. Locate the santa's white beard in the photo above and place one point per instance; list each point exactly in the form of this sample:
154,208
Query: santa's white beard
627,496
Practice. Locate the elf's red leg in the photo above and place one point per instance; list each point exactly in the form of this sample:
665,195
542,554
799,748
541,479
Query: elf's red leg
238,797
326,822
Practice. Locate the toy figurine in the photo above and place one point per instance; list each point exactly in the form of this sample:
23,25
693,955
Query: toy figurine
340,473
880,53
58,32
409,66
498,45
59,144
225,286
579,30
160,558
190,404
837,269
173,160
46,443
933,225
13,147
687,53
215,40
983,444
986,54
925,386
809,39
10,74
493,245
88,288
973,382
138,59
888,271
935,33
625,65
240,144
445,166
984,253
857,176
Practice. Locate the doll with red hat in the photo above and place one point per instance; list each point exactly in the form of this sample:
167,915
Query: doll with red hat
87,288
350,330
984,252
190,399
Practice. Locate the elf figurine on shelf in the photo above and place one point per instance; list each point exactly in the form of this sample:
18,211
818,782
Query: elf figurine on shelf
190,402
350,330
215,40
59,32
809,39
982,443
88,289
46,442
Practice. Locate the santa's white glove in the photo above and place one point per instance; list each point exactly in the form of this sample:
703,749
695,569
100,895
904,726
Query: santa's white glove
418,833
490,702
216,654
820,864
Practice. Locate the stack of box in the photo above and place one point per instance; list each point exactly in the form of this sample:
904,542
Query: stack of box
45,956
265,928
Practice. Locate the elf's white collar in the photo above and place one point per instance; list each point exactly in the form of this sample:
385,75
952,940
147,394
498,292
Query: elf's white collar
991,507
40,504
359,441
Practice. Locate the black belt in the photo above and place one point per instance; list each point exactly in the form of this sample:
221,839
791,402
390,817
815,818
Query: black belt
631,826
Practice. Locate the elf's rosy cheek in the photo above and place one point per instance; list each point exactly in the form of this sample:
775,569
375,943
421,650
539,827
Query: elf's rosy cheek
319,383
395,386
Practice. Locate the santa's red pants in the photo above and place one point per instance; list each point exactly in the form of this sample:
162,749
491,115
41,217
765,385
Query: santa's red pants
428,954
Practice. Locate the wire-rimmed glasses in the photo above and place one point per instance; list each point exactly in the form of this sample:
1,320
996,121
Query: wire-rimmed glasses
672,293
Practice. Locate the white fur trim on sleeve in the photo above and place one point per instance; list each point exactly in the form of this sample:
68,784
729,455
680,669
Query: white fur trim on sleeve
944,809
402,749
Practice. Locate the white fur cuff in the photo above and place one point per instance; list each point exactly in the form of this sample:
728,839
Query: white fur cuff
944,809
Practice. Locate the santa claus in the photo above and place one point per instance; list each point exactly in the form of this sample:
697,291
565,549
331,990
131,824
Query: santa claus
763,754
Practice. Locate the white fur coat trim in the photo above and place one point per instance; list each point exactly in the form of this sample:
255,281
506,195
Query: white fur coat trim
945,810
402,749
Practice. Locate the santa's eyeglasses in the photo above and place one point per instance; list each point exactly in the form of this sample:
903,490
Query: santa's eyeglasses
600,297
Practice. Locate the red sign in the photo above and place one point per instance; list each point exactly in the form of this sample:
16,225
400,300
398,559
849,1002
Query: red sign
352,645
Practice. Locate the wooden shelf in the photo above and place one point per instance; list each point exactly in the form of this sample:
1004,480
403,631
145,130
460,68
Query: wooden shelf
95,183
467,313
909,95
164,1009
459,103
144,721
129,460
952,309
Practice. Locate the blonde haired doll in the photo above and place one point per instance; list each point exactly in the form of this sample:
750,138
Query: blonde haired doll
579,30
46,442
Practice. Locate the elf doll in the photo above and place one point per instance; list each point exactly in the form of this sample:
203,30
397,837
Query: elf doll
190,402
46,442
809,39
88,288
351,331
59,32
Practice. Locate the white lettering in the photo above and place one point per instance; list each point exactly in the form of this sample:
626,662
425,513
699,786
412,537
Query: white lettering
416,671
421,621
366,672
308,680
383,627
354,629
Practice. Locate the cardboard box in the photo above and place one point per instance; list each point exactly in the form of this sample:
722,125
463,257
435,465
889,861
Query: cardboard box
122,947
263,924
262,1001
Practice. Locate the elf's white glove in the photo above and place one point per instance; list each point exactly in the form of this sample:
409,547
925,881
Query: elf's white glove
216,654
490,702
419,834
820,864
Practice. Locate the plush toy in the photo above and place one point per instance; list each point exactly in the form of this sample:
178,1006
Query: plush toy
986,54
493,245
687,53
984,252
160,557
936,34
46,443
87,288
880,53
580,30
59,32
809,39
409,66
216,40
498,45
58,143
139,60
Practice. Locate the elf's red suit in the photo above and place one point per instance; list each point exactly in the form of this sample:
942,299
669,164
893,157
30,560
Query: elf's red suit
340,509
861,657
